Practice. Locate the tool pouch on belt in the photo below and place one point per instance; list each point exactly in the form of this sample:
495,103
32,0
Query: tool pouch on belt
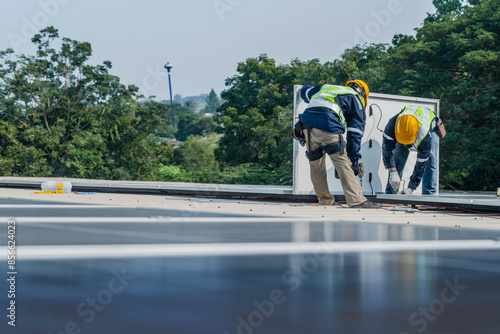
440,129
298,133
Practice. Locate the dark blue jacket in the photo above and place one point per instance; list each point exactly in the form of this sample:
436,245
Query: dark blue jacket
389,144
326,120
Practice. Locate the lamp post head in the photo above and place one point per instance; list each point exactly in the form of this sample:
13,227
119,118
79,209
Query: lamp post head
168,66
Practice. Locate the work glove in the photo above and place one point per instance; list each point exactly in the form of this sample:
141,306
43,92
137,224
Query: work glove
359,169
407,191
394,180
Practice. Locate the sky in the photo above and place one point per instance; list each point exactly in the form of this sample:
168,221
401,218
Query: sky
205,40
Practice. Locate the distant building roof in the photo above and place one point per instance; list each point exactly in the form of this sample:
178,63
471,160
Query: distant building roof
174,142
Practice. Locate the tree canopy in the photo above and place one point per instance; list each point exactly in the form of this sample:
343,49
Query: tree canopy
60,116
213,102
454,57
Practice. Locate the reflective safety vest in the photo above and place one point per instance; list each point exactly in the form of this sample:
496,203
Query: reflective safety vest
425,116
325,98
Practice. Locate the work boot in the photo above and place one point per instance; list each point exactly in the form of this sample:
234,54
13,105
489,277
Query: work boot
367,205
326,201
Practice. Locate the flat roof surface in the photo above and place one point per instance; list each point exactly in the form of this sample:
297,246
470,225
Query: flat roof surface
472,201
122,263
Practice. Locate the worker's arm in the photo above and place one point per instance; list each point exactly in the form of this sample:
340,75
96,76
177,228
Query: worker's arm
356,119
424,152
389,144
308,91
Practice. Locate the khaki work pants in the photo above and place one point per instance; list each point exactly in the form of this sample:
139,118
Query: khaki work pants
350,186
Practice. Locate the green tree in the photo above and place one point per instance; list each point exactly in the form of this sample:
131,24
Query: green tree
312,72
202,126
60,116
445,8
362,62
213,103
169,115
174,111
183,127
194,125
456,57
197,154
191,106
256,114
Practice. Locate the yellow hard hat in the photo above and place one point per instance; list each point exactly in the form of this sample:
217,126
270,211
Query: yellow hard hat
362,85
407,129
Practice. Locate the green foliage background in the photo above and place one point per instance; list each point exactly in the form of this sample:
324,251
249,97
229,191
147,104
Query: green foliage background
60,116
454,57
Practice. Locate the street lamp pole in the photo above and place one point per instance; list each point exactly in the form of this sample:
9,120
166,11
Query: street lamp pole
169,66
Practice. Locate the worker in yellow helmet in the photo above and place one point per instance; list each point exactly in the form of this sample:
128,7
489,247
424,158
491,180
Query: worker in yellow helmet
333,110
413,129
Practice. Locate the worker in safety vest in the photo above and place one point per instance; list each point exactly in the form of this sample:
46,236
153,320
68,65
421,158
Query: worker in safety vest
413,129
332,111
